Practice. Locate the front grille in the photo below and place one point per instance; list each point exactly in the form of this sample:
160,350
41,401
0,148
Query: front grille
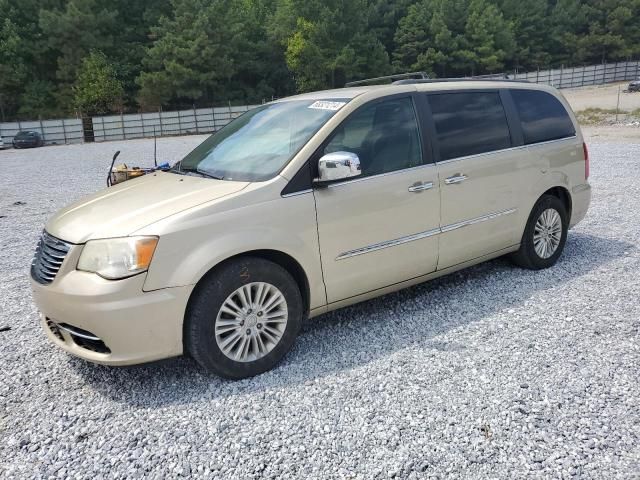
50,254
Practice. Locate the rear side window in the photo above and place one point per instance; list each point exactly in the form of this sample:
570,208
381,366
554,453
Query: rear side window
542,115
469,123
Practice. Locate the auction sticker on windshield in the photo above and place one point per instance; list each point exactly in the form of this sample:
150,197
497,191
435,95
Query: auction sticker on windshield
324,105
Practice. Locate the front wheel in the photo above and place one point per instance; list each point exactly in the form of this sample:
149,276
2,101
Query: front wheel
243,318
544,235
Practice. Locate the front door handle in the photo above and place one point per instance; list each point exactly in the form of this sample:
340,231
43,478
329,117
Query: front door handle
457,178
420,187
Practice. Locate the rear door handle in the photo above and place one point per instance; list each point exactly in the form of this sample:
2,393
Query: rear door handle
421,187
457,178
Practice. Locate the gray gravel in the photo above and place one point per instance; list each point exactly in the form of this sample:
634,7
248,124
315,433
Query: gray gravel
493,372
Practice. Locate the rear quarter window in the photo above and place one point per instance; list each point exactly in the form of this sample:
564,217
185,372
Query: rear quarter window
542,116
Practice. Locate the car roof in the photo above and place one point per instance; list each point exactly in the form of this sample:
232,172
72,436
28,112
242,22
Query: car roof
344,93
419,85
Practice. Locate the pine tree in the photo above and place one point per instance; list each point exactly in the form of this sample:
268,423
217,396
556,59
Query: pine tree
531,24
82,26
97,89
489,36
330,42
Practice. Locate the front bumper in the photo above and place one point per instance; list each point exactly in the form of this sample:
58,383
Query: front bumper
133,326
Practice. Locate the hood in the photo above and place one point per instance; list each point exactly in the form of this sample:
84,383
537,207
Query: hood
125,208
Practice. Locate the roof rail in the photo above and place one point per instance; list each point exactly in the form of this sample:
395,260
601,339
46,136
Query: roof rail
393,78
464,79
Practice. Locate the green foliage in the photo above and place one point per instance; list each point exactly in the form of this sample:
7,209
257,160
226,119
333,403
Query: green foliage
82,26
38,100
529,20
329,43
13,70
207,51
97,89
174,53
454,37
489,36
595,30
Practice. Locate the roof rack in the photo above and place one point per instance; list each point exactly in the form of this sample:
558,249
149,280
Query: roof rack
464,79
394,78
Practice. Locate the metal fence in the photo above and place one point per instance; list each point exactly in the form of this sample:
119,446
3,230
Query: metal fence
181,122
207,120
575,76
67,130
582,76
127,126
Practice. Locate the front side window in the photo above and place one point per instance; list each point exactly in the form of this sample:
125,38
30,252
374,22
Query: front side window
542,116
383,134
257,145
469,123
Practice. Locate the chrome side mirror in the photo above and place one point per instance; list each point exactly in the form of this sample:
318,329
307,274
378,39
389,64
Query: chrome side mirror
338,166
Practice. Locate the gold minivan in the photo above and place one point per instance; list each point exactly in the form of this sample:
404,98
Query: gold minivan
305,205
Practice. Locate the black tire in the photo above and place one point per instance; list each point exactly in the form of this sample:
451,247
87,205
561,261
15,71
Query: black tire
526,256
211,293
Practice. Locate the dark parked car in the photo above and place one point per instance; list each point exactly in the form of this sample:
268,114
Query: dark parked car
27,138
634,86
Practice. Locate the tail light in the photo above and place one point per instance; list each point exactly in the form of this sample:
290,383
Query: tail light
586,161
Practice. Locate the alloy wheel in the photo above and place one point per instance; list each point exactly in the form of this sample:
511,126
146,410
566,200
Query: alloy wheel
251,322
547,233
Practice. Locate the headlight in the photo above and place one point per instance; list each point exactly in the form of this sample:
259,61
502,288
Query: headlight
115,258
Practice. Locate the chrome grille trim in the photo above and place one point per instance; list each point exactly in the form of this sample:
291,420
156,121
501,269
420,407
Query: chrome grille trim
49,256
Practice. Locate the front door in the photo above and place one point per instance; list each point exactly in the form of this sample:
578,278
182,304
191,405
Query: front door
382,227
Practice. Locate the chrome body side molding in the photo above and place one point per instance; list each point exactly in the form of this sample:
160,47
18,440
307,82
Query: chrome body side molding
388,243
421,235
473,221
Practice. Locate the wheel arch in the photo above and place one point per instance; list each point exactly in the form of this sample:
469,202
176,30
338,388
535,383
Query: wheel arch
278,257
562,193
556,188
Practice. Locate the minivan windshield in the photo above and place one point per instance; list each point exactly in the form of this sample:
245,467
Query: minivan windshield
257,145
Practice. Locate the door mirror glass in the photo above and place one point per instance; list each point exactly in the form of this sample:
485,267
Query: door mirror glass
338,166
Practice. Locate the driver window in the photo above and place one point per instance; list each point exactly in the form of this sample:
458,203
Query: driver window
384,135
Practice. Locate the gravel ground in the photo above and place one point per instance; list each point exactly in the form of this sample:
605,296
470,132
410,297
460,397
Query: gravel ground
494,372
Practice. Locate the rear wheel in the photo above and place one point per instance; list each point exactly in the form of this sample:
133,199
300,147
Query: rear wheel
544,236
244,318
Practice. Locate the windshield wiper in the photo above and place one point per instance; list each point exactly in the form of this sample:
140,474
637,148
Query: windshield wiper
195,171
204,173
